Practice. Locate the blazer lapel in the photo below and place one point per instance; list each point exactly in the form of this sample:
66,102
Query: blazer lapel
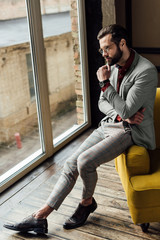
125,79
114,77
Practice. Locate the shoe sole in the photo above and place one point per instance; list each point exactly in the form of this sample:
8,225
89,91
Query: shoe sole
36,230
80,224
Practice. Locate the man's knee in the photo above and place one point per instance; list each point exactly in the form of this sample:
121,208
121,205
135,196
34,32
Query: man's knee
83,163
70,167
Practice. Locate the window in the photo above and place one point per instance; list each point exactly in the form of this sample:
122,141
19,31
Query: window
47,63
66,90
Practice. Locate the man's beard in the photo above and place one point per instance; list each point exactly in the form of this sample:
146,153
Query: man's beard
116,57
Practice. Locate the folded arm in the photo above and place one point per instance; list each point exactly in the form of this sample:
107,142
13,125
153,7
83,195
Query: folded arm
136,97
137,118
106,108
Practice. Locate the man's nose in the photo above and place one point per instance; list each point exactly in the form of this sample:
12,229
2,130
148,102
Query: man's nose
105,54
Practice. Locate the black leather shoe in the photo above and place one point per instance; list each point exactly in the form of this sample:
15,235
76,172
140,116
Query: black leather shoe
29,224
80,216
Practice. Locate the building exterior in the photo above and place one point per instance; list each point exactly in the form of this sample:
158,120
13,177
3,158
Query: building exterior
11,9
17,98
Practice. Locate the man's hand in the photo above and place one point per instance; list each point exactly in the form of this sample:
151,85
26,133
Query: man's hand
103,73
137,118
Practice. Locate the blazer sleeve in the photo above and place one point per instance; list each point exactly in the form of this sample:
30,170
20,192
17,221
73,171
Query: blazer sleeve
144,87
106,108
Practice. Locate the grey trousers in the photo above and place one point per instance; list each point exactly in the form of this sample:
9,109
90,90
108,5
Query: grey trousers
104,144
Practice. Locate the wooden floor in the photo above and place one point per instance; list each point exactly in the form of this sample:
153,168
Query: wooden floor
111,220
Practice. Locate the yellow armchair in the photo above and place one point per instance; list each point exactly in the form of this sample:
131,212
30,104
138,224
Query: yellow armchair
139,171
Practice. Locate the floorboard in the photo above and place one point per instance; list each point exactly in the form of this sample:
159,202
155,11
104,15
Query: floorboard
111,220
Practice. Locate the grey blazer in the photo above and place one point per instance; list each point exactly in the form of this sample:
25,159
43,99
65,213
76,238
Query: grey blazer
137,90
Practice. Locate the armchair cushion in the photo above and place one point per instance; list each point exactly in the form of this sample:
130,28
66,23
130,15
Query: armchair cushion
149,181
137,161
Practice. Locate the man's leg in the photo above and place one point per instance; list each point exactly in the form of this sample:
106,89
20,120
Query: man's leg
69,174
102,152
37,222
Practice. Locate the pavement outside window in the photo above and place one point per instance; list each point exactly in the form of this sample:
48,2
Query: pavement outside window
11,155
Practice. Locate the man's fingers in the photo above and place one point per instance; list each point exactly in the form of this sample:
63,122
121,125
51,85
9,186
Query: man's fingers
142,110
139,117
140,113
104,67
103,73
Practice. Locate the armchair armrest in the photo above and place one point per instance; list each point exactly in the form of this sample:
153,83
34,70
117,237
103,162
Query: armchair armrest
137,161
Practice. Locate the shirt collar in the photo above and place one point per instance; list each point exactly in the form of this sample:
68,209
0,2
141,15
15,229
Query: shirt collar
128,63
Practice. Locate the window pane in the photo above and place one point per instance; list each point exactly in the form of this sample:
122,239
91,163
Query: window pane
66,93
19,133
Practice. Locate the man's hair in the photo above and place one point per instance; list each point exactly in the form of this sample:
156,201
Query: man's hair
118,32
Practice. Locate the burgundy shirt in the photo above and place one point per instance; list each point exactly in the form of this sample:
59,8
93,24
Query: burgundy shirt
121,73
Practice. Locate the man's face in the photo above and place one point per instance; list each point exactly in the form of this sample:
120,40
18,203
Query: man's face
111,52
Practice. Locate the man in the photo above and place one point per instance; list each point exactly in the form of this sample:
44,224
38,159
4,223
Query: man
128,86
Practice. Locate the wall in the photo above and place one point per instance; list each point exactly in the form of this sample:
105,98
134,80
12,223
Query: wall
120,9
141,18
60,70
17,111
77,64
54,6
10,9
108,10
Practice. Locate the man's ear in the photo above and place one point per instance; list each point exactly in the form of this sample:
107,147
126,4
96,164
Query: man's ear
122,42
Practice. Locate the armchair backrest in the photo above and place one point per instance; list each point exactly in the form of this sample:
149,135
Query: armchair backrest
157,118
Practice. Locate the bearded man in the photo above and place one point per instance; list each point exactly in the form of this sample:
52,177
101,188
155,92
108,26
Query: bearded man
128,85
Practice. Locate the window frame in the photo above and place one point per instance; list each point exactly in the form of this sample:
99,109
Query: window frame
42,93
